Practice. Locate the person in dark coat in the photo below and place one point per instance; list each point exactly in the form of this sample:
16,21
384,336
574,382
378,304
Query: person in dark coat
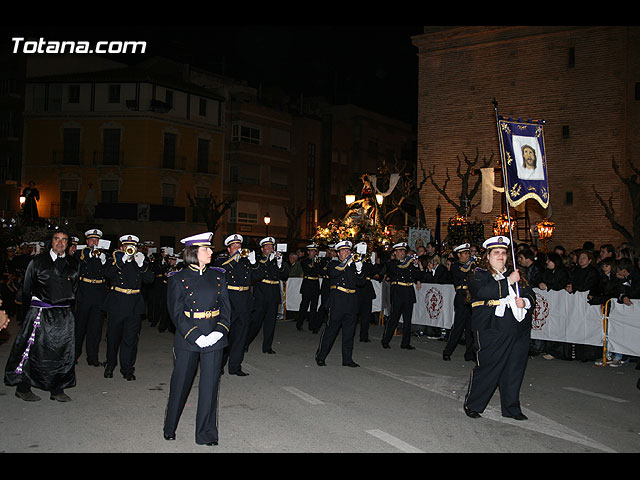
199,306
43,353
555,276
325,290
365,293
242,270
345,273
585,275
462,309
309,288
126,270
435,271
267,295
527,262
92,290
501,320
403,272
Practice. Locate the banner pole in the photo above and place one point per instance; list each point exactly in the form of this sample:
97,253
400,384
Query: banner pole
504,183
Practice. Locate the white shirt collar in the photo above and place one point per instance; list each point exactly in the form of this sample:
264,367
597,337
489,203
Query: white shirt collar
54,255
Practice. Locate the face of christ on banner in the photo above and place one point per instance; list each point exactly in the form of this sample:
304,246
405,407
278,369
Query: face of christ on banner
528,158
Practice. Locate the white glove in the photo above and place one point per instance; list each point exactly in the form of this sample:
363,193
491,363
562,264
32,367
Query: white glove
272,256
103,258
126,257
202,341
358,267
279,262
252,257
139,258
213,337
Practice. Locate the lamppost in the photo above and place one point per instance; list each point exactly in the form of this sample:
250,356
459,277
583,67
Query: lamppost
267,221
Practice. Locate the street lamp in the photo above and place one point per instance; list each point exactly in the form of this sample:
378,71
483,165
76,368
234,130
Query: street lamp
350,197
267,221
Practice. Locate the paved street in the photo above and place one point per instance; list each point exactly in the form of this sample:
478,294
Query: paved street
397,401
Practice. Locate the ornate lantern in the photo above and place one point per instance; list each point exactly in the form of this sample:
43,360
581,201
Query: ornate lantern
501,225
545,230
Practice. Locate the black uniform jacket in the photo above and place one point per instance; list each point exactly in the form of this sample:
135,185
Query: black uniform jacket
344,279
312,273
267,289
435,276
92,287
126,279
402,276
198,304
365,289
459,276
485,290
240,275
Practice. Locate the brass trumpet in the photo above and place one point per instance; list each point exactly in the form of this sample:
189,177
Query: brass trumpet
245,252
356,257
130,250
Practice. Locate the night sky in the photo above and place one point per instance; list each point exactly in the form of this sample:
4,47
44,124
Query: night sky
375,66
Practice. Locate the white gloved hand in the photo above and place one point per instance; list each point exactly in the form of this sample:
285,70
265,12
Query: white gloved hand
139,258
126,257
252,257
279,262
103,258
213,337
272,256
202,341
358,266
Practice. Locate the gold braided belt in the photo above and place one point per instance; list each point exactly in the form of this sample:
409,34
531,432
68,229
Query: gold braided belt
312,278
128,291
92,280
239,289
404,284
342,289
486,303
207,314
270,282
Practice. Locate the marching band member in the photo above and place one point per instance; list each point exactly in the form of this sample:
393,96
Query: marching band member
126,271
242,270
366,293
462,309
501,323
199,307
92,290
310,288
344,273
403,272
266,294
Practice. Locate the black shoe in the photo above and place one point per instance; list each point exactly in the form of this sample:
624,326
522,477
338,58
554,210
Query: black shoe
129,377
365,340
239,373
350,364
320,363
408,347
270,351
211,444
95,363
385,345
169,437
471,413
60,397
446,357
28,396
520,416
108,373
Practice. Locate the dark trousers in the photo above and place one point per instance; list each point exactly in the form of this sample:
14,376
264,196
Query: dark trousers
308,300
501,363
336,321
122,342
364,317
88,328
234,352
263,316
185,364
461,324
398,309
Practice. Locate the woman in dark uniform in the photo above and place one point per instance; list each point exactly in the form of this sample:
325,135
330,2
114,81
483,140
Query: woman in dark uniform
501,323
199,307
